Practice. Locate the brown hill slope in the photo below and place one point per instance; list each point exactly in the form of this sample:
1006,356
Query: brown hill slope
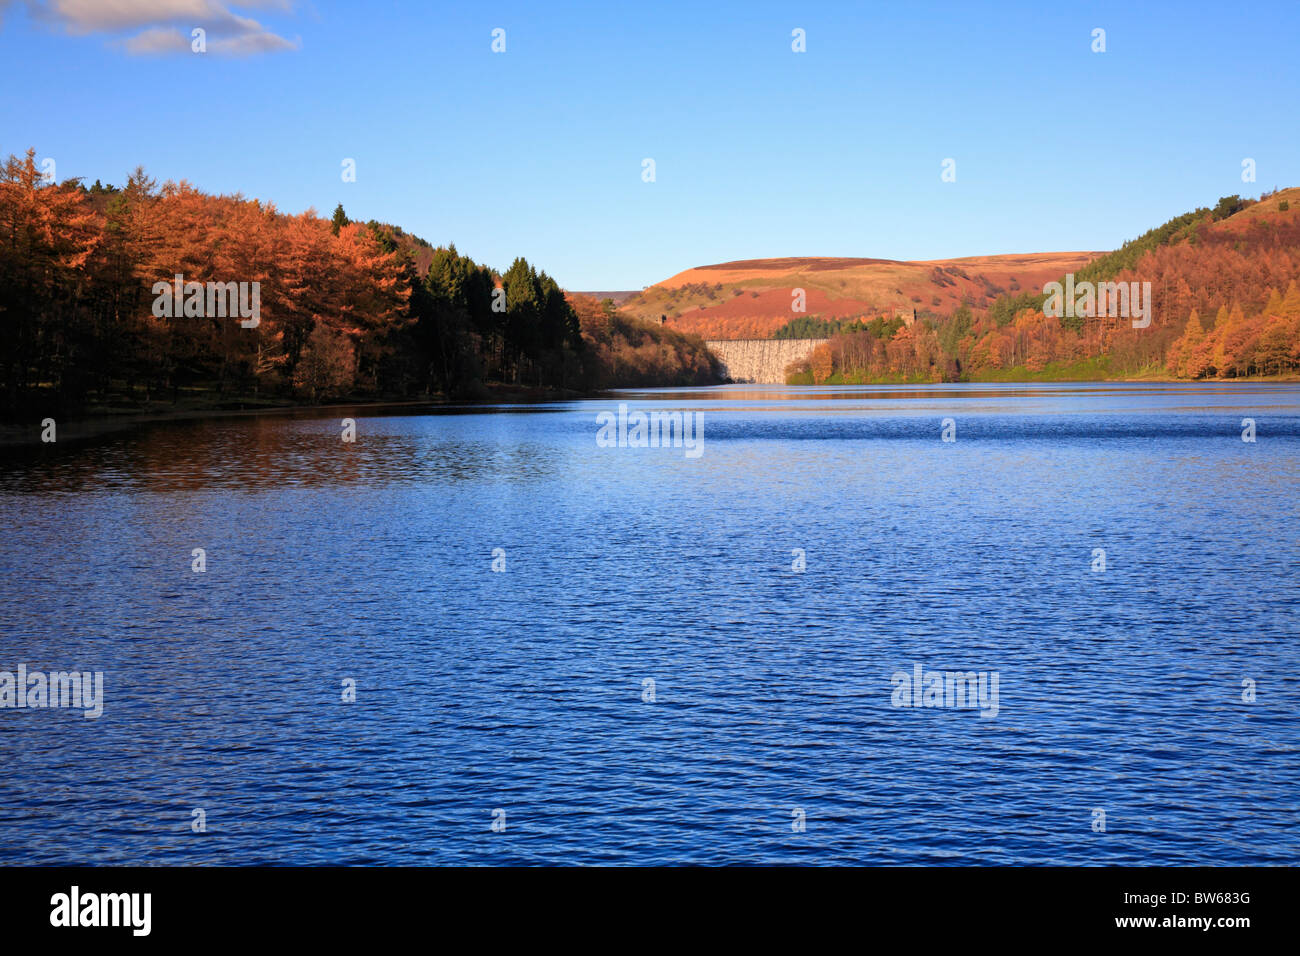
752,298
1222,290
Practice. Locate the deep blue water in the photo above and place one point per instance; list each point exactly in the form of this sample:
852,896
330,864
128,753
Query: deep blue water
522,690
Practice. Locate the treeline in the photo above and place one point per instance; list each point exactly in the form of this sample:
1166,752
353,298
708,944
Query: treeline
631,353
1243,271
1235,345
345,309
815,327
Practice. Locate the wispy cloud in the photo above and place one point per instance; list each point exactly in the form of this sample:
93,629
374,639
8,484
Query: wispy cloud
164,26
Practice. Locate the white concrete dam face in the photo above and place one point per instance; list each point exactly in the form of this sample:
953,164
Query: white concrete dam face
761,361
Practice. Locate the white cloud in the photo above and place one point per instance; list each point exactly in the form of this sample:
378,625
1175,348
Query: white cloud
164,25
157,40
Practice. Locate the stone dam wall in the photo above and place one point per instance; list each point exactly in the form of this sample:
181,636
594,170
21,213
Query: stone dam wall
761,361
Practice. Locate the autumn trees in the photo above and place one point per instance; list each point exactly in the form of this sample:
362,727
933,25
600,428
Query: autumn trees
1267,343
1231,343
48,235
77,274
622,351
1215,277
347,308
361,309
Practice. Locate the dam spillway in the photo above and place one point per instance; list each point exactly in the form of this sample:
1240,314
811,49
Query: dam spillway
761,361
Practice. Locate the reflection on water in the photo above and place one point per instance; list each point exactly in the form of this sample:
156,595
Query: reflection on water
523,689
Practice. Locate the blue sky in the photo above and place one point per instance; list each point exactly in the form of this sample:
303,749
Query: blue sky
759,151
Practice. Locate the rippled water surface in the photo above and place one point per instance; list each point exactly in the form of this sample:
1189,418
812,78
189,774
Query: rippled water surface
522,690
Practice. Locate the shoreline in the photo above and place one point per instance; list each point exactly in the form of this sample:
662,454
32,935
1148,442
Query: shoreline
1287,379
95,424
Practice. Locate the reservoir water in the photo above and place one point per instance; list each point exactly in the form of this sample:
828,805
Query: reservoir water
627,655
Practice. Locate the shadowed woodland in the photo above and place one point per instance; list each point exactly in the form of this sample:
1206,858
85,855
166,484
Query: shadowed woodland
347,309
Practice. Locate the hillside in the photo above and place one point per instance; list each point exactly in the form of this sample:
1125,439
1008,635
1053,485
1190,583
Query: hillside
752,298
141,296
618,298
1224,300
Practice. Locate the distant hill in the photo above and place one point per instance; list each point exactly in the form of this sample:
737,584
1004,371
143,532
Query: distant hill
752,298
618,298
1217,296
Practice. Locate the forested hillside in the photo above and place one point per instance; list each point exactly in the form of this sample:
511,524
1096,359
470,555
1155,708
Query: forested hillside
1225,296
353,310
346,309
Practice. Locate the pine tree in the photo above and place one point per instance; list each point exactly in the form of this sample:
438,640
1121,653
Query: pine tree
1291,303
339,220
1183,357
1274,304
